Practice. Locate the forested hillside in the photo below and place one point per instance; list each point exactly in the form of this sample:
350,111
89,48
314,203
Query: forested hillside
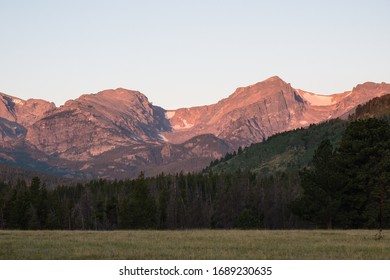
348,186
376,107
288,151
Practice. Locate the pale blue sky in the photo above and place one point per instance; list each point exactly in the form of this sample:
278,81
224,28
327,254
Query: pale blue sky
186,53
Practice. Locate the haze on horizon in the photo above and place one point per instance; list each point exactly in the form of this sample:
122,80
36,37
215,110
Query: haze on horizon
187,53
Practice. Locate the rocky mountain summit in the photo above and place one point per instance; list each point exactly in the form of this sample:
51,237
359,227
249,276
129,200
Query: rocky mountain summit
117,133
98,123
256,112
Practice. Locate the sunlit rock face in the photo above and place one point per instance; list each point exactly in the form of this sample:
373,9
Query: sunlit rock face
118,133
256,112
96,123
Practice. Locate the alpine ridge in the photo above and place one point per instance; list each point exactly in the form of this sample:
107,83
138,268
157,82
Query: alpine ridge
118,133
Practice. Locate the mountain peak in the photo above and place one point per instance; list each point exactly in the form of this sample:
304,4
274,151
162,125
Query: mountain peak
274,79
120,93
119,96
261,89
371,86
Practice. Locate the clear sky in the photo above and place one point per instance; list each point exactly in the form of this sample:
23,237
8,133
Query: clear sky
184,53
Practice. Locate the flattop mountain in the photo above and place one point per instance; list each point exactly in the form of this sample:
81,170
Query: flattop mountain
118,133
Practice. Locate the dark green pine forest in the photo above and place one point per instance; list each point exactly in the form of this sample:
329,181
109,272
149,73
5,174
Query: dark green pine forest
331,175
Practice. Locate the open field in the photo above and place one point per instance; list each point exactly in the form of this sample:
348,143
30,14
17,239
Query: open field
194,244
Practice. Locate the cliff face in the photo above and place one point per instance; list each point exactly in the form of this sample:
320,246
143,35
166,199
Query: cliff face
94,124
256,112
249,115
117,133
17,115
23,112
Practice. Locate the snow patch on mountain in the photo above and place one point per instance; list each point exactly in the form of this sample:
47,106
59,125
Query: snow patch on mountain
318,100
18,101
170,114
185,125
163,138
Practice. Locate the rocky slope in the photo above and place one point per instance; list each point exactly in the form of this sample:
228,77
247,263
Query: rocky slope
256,112
98,123
118,133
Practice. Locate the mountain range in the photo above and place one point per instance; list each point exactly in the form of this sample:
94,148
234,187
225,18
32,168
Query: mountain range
118,133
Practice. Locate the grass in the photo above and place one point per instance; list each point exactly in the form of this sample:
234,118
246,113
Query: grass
194,244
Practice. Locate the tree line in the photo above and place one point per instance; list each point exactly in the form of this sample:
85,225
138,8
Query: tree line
180,201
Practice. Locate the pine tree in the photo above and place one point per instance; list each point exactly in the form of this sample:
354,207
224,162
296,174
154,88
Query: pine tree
364,158
322,189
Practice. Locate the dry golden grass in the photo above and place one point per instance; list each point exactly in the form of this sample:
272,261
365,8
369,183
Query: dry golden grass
194,244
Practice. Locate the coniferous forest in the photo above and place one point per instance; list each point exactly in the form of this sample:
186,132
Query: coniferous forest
346,185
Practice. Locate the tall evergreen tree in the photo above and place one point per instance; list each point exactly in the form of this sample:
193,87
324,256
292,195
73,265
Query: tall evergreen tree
141,207
322,188
364,158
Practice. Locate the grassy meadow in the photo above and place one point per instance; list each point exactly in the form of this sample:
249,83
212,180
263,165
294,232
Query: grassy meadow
194,244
